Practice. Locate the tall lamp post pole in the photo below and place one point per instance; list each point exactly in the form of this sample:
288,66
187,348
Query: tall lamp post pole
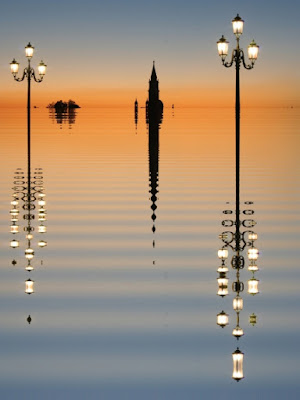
237,58
28,73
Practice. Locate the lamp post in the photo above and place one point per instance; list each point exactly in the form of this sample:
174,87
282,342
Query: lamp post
237,58
28,73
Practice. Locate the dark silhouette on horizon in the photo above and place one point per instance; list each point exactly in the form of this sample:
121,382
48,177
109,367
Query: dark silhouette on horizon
136,113
63,106
154,106
63,112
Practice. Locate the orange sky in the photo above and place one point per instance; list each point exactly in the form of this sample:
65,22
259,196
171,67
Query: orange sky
197,96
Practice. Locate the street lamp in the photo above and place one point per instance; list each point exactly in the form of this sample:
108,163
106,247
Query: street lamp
28,73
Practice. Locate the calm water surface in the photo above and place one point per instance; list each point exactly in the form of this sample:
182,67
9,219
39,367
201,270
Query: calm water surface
115,317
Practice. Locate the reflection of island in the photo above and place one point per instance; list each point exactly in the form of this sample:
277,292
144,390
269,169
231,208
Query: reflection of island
63,112
154,106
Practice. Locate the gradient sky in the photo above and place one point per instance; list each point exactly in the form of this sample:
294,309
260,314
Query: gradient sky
100,53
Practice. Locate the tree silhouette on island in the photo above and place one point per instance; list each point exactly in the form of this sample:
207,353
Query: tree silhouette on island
63,106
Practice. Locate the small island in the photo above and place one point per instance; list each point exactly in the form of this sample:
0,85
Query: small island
63,106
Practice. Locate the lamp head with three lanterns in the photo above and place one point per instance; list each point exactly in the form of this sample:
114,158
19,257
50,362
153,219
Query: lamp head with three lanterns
29,50
237,26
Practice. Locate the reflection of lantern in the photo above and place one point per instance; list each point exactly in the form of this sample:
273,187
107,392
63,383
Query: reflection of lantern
253,286
29,268
253,267
29,286
252,236
237,358
222,319
14,228
14,212
237,303
222,269
253,253
14,243
42,243
223,286
29,253
252,319
42,202
238,332
42,229
29,236
223,254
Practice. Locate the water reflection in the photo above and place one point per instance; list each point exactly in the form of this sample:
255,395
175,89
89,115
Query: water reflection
153,148
236,242
28,205
63,117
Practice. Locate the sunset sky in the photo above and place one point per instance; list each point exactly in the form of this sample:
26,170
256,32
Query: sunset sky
100,53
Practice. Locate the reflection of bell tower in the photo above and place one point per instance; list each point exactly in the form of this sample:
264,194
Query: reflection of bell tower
154,106
153,167
153,147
